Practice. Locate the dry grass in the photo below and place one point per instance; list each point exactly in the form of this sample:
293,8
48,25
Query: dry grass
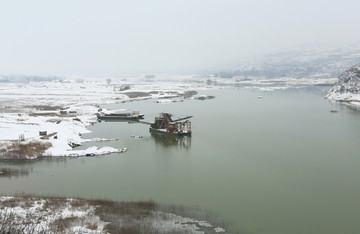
63,224
33,221
44,114
188,94
76,203
148,204
121,217
25,150
136,217
91,226
44,107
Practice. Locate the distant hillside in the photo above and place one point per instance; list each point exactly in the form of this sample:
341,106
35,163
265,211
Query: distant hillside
299,62
347,88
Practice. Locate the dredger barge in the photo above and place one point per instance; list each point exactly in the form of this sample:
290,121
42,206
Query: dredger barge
164,124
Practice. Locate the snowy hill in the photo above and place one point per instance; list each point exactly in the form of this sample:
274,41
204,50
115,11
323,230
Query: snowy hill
347,88
313,61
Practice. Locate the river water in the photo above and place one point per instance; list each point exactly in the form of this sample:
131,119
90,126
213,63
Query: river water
280,164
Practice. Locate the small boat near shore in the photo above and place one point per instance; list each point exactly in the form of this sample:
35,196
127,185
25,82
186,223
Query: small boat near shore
135,115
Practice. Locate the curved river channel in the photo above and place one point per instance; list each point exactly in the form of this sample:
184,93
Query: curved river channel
277,165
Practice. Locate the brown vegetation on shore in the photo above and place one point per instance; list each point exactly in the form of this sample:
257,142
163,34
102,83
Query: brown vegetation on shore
31,214
24,150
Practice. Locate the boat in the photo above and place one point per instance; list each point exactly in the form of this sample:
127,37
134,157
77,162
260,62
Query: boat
164,124
135,115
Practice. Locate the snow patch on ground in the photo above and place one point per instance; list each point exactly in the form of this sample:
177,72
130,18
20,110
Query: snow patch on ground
37,215
64,133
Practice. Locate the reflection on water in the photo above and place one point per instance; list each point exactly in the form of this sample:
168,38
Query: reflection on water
354,109
14,172
172,141
24,168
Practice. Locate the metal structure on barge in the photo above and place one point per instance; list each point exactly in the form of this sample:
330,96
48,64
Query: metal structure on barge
164,124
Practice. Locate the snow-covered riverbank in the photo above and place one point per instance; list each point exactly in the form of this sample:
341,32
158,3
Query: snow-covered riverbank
48,118
26,214
49,135
63,108
347,88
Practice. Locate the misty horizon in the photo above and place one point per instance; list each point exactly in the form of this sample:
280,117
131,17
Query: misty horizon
160,37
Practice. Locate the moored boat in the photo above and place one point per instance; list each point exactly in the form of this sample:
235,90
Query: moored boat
135,115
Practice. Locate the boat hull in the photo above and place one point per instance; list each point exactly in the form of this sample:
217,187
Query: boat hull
124,117
164,132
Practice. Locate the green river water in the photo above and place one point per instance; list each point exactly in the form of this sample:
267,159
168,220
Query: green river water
281,164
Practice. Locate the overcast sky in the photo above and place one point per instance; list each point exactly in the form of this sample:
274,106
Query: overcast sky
161,36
